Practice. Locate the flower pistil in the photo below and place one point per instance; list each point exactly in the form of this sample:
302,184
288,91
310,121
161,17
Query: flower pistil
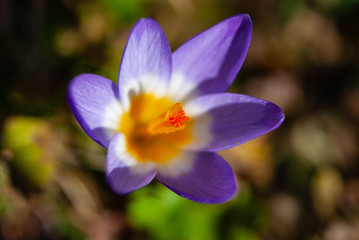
171,120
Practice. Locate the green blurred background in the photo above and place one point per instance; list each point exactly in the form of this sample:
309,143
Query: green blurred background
299,182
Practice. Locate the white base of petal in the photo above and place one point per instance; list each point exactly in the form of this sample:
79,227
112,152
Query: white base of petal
147,84
128,160
112,116
177,166
178,91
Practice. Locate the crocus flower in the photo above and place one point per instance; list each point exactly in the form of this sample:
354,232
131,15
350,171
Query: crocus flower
169,112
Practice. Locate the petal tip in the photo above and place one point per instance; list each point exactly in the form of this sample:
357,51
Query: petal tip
278,116
241,19
248,17
145,23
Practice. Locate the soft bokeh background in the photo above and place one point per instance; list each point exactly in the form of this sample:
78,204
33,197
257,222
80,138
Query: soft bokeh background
299,182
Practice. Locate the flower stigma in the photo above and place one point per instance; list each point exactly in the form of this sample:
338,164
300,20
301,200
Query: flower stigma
170,121
155,129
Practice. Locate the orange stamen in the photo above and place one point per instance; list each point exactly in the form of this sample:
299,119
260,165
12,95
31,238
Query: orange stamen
170,121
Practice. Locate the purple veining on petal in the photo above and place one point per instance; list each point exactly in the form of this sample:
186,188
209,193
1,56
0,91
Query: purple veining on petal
211,60
235,118
88,94
147,53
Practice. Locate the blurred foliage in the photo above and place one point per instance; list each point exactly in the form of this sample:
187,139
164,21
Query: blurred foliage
163,215
124,10
299,182
28,139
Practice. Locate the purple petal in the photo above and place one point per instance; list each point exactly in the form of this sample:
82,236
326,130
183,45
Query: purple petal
124,173
146,62
232,119
210,180
210,61
90,96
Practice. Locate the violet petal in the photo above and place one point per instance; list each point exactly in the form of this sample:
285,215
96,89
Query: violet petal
210,180
210,61
124,174
88,96
233,119
146,62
